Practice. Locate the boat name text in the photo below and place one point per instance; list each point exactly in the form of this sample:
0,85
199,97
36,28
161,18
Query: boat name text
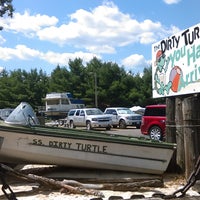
78,146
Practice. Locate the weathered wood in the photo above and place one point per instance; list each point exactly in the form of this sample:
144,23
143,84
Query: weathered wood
133,186
187,122
72,186
115,181
180,158
170,122
171,130
191,119
46,182
85,175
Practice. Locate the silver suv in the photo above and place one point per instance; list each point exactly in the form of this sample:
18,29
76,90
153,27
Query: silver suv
89,118
123,117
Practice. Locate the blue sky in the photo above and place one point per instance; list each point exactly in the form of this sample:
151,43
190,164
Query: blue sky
43,34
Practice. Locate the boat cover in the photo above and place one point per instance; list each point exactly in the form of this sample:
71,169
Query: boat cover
23,114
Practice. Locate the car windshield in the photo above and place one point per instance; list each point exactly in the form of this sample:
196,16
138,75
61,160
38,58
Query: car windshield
94,112
125,111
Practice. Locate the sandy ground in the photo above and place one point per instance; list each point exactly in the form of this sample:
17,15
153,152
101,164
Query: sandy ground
24,191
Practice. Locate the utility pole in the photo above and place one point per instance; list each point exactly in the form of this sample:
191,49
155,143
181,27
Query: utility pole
95,89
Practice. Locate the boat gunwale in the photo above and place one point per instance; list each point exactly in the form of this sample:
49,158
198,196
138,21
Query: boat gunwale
85,135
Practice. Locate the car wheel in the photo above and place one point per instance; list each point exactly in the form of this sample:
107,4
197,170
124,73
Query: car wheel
108,128
88,126
155,133
71,124
122,124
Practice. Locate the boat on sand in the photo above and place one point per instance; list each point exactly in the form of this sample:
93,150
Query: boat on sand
24,141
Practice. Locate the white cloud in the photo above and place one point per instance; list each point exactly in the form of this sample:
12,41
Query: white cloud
26,23
20,52
171,1
7,53
63,58
100,30
104,49
97,31
104,26
24,53
135,62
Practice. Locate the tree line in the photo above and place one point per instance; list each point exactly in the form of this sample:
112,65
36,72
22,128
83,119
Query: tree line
115,86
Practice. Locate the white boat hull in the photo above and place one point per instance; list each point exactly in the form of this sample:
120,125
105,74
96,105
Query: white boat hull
36,148
23,141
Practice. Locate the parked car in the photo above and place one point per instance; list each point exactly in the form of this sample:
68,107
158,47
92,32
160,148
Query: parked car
138,109
89,118
153,121
123,117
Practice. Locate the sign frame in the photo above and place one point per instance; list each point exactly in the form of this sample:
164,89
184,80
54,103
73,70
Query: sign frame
176,64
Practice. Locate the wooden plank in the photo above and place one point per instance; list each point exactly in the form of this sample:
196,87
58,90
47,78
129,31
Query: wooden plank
179,133
191,123
93,175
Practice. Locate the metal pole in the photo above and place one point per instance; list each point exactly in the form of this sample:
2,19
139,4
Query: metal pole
95,89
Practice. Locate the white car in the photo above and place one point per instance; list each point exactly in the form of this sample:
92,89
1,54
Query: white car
123,117
88,117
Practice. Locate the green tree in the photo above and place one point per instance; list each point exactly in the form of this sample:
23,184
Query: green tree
59,80
115,86
16,89
78,78
6,7
18,86
4,92
109,83
91,73
36,85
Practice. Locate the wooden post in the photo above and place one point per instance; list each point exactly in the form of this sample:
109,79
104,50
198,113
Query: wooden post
191,119
171,130
180,158
170,122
